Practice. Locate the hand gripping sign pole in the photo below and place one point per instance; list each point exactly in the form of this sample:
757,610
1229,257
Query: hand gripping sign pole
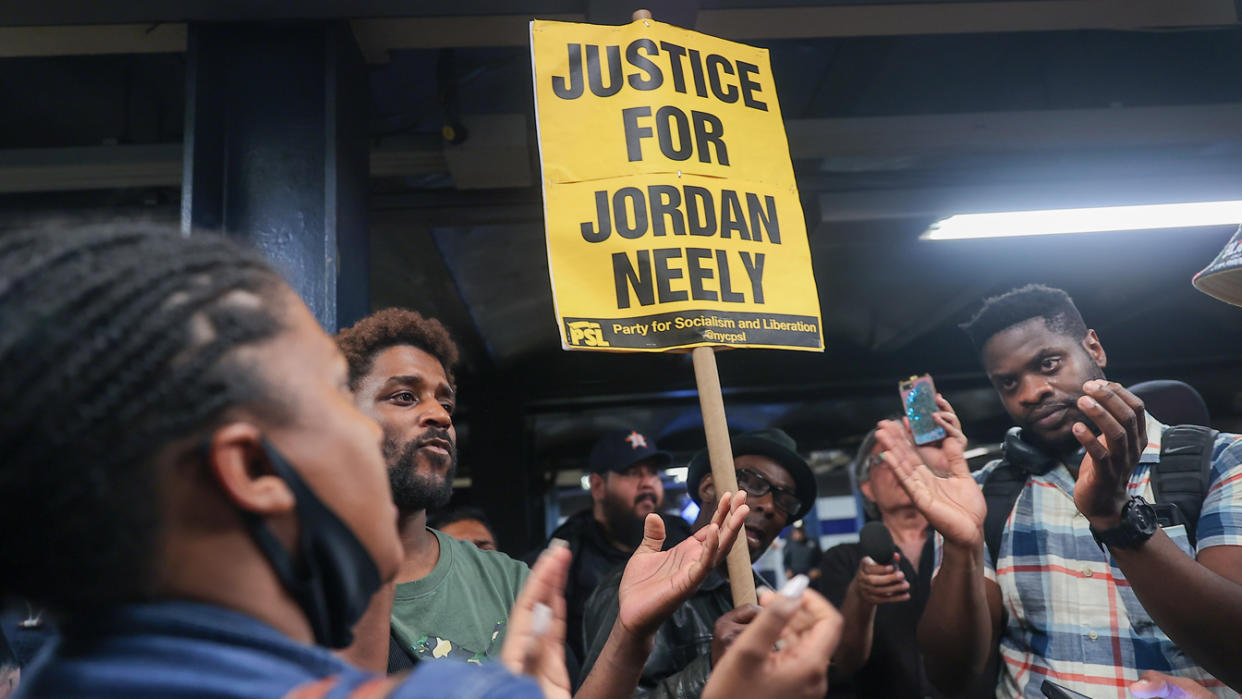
720,451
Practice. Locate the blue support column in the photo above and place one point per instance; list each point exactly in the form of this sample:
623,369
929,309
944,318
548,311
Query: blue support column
276,153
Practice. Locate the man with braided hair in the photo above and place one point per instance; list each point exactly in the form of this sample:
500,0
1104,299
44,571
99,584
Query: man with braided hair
210,502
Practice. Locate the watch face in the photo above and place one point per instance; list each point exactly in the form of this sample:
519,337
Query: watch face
1143,516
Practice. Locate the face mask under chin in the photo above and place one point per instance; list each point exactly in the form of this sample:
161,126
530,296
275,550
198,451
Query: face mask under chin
331,575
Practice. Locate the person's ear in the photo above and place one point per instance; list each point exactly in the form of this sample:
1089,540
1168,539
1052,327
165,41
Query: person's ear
707,490
1095,350
597,485
239,465
865,488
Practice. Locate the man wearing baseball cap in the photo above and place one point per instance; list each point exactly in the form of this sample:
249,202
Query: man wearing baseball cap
780,489
624,468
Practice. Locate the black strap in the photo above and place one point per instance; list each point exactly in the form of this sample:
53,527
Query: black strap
1000,491
1180,480
399,659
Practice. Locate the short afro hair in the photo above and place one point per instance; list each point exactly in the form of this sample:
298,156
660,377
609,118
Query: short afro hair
1015,306
459,513
389,328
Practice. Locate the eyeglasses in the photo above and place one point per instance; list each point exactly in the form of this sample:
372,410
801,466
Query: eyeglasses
757,486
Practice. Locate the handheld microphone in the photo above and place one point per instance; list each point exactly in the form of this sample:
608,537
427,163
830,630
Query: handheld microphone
877,543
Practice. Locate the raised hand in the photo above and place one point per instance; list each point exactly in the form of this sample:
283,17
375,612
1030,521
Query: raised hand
953,504
933,454
535,639
1100,491
783,653
656,582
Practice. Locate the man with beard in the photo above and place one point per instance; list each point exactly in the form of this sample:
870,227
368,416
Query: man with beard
780,489
625,468
451,599
1084,587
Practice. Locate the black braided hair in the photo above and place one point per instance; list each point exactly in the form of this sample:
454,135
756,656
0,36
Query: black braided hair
115,341
999,313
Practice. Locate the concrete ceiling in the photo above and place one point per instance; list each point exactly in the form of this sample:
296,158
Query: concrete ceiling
896,113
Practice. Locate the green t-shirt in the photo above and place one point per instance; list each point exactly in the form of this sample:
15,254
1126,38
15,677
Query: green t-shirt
460,609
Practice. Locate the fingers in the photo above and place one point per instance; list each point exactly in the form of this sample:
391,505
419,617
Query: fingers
812,610
896,440
882,579
1116,419
653,533
546,581
822,640
1157,685
538,613
732,526
744,614
951,424
899,454
881,584
722,509
707,553
870,567
1095,449
763,631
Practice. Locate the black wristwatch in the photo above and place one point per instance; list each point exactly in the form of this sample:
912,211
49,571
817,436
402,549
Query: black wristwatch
1138,524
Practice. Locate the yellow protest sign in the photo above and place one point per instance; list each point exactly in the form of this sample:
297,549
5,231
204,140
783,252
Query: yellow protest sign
672,215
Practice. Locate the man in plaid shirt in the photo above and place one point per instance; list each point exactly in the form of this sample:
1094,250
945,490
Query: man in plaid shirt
1059,606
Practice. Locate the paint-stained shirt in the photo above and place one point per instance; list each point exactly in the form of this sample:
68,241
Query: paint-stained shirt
1071,616
461,608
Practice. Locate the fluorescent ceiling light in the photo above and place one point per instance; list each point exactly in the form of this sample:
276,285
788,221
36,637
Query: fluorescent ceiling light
1106,218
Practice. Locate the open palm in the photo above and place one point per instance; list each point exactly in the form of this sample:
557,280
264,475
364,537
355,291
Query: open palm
953,503
656,582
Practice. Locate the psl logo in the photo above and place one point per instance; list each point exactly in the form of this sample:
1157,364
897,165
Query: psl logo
588,333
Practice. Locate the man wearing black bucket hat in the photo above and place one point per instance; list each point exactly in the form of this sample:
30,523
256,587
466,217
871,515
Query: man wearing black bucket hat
780,490
625,467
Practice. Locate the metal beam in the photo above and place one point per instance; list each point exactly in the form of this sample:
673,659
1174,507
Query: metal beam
965,18
874,143
95,167
990,132
87,40
384,26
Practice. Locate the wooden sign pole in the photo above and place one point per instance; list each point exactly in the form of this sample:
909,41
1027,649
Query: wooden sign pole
719,451
724,476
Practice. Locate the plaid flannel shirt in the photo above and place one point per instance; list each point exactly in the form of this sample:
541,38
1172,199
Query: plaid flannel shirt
1071,616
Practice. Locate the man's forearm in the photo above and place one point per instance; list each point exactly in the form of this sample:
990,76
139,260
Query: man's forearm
619,667
956,632
1198,608
856,634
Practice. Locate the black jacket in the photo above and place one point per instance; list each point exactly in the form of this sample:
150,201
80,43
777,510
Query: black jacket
681,657
593,559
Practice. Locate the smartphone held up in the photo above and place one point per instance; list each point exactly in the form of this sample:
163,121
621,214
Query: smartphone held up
918,404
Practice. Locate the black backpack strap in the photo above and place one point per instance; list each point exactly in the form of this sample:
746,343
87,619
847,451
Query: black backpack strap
399,659
1180,479
1000,491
